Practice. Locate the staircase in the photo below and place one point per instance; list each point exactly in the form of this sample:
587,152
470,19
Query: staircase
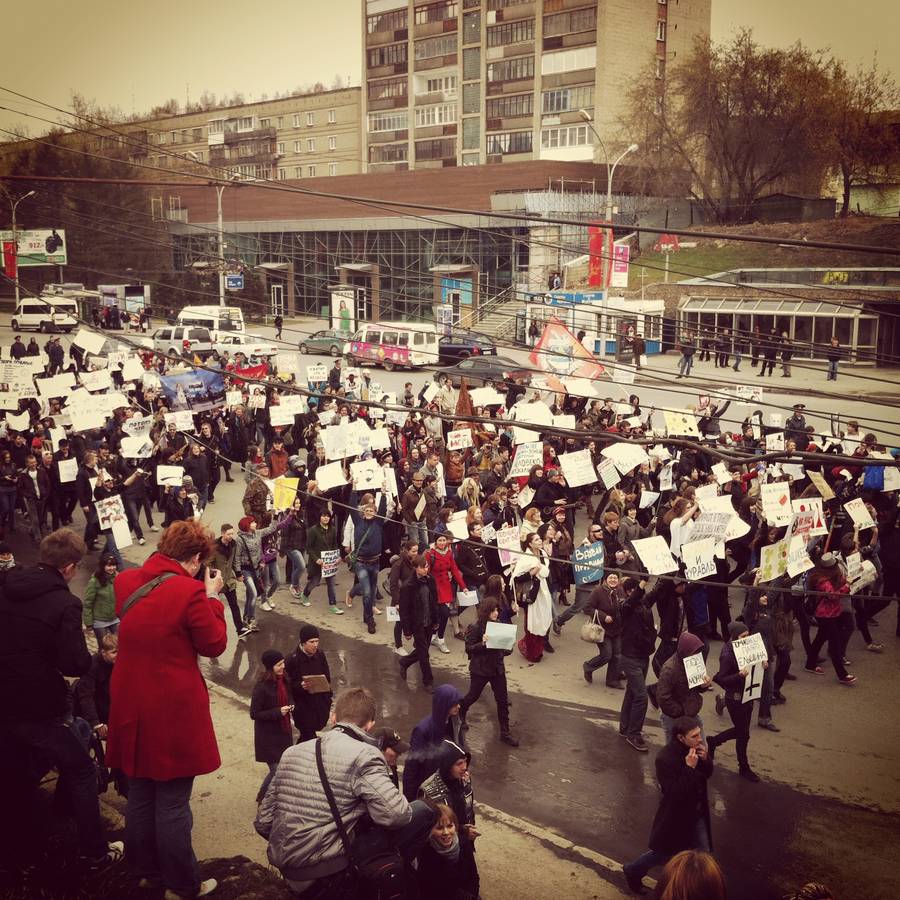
497,317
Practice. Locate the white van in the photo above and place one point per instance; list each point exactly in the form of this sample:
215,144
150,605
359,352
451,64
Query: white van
49,313
219,320
394,344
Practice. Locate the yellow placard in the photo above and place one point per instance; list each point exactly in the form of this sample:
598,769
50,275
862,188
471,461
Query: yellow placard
285,491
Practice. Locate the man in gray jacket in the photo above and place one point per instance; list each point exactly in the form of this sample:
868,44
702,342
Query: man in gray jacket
294,816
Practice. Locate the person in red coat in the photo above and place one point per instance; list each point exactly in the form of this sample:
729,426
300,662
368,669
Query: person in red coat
160,728
444,570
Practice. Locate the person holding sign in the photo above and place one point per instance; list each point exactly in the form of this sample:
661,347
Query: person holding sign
638,644
732,680
310,682
486,667
673,693
365,560
321,538
833,616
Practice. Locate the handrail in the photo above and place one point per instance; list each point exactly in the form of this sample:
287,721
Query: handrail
498,300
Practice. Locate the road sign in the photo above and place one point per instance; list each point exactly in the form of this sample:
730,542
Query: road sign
667,243
234,282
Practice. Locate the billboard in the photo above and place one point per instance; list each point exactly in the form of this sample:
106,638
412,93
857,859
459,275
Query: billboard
39,247
619,276
197,391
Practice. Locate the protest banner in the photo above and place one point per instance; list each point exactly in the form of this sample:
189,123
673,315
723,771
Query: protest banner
459,438
753,684
749,651
680,423
809,517
111,515
798,560
367,475
485,396
507,540
330,475
776,503
317,373
699,561
198,390
608,473
183,420
655,555
859,512
720,470
284,491
710,525
329,562
626,456
68,470
169,476
527,455
772,562
138,426
140,447
588,562
500,636
578,467
821,485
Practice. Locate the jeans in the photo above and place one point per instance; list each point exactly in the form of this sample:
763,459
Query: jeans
830,631
315,580
684,365
7,509
643,864
158,824
832,369
367,573
55,742
251,592
634,704
768,689
741,714
231,597
737,360
101,630
610,652
299,567
270,579
113,550
443,619
35,515
418,532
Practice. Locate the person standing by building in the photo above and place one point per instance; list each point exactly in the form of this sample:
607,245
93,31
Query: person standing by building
638,349
687,347
160,729
43,643
682,822
311,707
833,353
787,351
270,709
279,324
770,347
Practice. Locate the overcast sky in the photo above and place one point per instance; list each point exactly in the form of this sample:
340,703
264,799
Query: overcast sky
137,55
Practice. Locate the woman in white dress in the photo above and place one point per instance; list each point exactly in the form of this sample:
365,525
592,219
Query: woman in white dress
530,575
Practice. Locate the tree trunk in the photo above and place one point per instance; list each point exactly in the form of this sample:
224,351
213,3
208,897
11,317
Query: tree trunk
845,205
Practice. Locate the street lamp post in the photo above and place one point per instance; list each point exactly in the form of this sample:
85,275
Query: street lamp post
13,205
221,243
610,170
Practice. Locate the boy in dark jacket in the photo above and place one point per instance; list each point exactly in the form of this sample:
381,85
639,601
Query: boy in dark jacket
310,709
419,618
428,737
638,644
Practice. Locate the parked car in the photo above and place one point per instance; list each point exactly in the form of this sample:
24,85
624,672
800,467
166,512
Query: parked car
248,344
478,369
463,344
178,340
328,341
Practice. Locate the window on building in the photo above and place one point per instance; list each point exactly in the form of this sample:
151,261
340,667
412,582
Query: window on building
511,33
440,114
162,139
445,84
509,142
660,67
504,107
245,123
389,55
264,123
280,148
568,99
569,22
296,120
174,137
282,174
471,98
389,21
381,90
389,120
332,116
311,171
502,4
471,159
297,146
332,142
472,28
298,171
437,12
444,148
197,135
569,60
515,69
388,153
280,122
661,30
443,45
472,133
310,118
566,136
332,168
199,155
216,126
472,63
311,145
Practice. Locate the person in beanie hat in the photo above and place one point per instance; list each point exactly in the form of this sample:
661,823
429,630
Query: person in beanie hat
270,709
392,747
311,709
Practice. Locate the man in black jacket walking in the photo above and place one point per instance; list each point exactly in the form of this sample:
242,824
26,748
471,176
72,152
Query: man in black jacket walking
43,642
638,643
682,821
419,619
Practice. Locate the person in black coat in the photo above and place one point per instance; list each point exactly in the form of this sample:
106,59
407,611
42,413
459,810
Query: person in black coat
486,667
310,709
91,691
682,821
471,557
270,709
419,618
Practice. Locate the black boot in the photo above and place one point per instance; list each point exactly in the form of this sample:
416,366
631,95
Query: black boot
548,646
507,738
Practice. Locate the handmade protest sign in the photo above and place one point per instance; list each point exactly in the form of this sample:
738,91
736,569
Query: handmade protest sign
284,490
821,485
772,561
329,561
775,441
317,373
459,438
589,561
776,503
279,416
809,517
655,555
457,526
647,498
705,491
698,559
608,473
695,669
507,540
710,525
111,515
486,396
488,533
233,398
330,475
68,470
626,456
392,613
140,447
100,380
19,422
665,477
500,636
467,598
431,392
92,341
169,476
138,426
564,421
578,468
753,684
720,470
527,455
526,495
680,423
798,560
749,651
183,420
859,512
379,439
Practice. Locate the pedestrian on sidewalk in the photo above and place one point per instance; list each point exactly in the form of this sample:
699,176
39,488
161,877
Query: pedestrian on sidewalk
606,601
312,704
740,348
638,644
639,349
770,352
486,666
417,600
787,351
833,353
687,347
270,710
756,342
682,822
428,737
279,324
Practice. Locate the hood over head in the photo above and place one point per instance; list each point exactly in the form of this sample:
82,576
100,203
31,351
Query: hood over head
735,630
689,644
449,754
445,697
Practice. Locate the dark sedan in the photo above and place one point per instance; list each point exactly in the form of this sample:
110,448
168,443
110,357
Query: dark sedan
463,344
479,369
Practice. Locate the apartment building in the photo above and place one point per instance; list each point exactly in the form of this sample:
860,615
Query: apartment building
305,136
469,82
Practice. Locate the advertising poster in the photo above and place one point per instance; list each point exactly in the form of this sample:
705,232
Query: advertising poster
196,391
39,247
343,312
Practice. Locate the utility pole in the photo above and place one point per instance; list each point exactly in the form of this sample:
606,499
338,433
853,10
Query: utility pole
219,189
13,205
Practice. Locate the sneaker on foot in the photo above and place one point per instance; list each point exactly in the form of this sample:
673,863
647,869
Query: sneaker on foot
115,850
399,651
848,679
403,670
244,632
371,626
875,647
253,626
141,542
814,670
720,705
637,741
442,646
206,887
154,527
768,724
266,606
588,676
434,640
336,610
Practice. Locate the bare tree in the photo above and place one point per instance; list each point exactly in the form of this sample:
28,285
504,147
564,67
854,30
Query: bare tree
865,126
742,119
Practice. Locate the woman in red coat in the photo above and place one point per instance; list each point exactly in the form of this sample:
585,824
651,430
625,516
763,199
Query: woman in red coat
160,728
444,570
